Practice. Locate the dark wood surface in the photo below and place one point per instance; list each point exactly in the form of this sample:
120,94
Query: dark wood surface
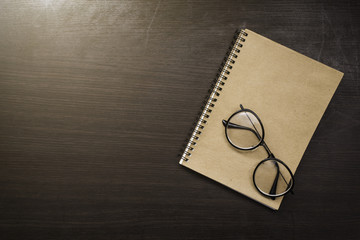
97,98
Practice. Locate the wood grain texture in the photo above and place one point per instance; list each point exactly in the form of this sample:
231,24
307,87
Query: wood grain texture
97,97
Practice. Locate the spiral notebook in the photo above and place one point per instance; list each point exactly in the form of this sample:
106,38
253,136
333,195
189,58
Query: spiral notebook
288,91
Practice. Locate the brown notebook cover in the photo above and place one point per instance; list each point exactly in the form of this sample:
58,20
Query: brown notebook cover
287,90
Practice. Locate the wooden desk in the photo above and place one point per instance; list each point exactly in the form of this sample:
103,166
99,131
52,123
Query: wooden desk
97,97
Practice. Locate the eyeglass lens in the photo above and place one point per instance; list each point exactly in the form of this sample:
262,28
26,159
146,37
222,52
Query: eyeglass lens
272,178
244,130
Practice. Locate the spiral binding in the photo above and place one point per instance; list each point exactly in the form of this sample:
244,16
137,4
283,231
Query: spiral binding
220,79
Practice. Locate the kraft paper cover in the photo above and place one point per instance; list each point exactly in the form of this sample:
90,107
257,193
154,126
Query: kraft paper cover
287,90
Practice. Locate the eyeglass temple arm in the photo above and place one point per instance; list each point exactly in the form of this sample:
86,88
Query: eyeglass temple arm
273,187
234,125
278,173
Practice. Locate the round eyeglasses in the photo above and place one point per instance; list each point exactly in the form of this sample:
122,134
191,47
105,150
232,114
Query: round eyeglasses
244,131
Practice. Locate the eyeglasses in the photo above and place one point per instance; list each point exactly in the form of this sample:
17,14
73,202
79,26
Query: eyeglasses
244,131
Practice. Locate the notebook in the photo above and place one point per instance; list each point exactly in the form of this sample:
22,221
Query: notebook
287,90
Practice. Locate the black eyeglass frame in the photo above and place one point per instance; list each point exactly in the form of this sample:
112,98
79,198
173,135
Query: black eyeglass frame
262,143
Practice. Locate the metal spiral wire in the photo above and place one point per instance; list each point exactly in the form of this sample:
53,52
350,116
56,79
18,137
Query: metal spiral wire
214,92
